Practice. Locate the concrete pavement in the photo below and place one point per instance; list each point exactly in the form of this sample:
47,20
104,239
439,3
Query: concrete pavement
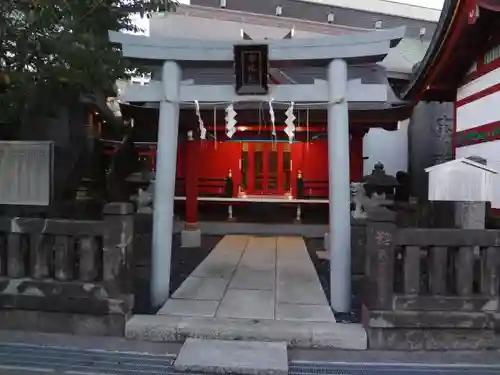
247,277
251,288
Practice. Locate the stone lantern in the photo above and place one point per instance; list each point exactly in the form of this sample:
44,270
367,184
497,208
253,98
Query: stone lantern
379,183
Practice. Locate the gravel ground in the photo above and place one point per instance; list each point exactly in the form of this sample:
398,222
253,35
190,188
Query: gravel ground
323,270
184,261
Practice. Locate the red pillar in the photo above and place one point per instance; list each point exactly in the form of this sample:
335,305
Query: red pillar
192,153
357,155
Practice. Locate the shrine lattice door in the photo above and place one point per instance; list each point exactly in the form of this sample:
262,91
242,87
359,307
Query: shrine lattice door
266,168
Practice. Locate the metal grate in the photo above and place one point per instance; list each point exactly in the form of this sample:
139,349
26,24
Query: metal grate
76,361
326,368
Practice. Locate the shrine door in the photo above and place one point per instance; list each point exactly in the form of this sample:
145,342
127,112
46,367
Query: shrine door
266,167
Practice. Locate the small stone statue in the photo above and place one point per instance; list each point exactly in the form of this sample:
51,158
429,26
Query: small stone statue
144,201
362,203
359,198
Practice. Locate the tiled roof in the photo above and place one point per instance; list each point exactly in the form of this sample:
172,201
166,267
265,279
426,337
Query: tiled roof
210,23
403,58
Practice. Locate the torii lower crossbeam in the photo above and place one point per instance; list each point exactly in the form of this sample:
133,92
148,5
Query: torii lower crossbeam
316,92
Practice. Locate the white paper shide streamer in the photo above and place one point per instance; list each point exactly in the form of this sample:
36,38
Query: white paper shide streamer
203,130
290,125
273,119
230,121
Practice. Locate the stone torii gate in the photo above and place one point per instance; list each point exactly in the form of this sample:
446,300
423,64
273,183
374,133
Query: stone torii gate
334,53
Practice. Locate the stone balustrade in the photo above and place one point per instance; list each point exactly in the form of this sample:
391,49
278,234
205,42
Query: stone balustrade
430,288
67,275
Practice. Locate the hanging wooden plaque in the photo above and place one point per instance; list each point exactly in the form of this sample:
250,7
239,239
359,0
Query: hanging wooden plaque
251,69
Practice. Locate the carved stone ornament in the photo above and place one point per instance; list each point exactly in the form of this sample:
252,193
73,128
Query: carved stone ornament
358,197
362,203
144,199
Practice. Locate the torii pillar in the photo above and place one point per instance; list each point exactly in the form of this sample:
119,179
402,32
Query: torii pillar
166,164
339,244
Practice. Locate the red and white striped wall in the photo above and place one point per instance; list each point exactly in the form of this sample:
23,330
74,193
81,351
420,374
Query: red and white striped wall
477,122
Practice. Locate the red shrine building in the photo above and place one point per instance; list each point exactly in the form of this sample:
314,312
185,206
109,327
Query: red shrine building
258,162
462,66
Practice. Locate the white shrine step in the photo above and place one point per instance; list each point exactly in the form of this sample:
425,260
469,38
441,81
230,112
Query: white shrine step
230,357
296,334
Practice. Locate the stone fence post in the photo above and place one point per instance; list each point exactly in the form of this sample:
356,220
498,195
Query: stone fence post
380,254
118,247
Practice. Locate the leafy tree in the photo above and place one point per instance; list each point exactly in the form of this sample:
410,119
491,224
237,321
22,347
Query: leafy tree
52,51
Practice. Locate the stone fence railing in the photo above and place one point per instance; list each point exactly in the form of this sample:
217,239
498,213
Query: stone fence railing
431,288
67,276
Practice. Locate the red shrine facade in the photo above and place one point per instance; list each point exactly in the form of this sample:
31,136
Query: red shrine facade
264,166
258,163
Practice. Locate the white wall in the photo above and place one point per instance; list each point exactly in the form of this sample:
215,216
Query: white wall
491,152
479,84
388,147
481,111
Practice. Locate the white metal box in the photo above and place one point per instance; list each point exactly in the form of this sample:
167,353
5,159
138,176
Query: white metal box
461,180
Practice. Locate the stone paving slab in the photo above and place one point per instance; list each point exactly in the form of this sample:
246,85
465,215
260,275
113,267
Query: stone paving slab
300,276
252,280
223,259
260,254
297,334
187,307
297,280
196,288
248,277
247,304
295,292
213,270
230,357
305,313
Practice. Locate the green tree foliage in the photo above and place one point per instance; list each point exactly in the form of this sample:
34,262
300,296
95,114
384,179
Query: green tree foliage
55,50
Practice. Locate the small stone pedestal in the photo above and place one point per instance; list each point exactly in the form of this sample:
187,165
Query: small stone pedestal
471,215
190,238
